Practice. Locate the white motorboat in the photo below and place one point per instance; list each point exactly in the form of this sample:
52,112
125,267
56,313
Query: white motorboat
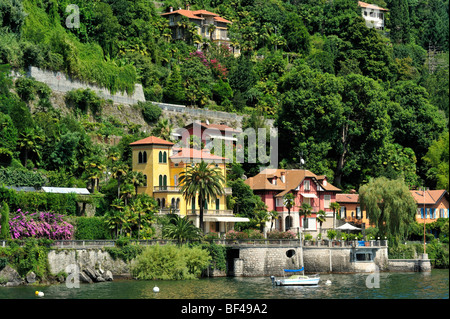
296,280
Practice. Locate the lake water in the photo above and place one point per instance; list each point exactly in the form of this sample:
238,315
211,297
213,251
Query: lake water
433,285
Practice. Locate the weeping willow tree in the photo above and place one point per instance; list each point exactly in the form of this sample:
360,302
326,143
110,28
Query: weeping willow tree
389,206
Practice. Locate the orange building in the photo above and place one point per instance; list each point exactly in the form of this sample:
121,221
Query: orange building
351,210
431,205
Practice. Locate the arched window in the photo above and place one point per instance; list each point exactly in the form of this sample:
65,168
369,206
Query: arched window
159,202
288,223
144,157
178,204
160,182
165,157
145,180
140,158
173,203
165,181
163,203
160,157
217,203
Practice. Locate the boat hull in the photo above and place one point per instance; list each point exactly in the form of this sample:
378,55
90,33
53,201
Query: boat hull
303,281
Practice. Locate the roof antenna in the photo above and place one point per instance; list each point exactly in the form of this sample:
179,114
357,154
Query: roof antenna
302,161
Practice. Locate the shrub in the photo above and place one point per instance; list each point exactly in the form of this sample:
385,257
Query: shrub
40,225
170,263
85,100
150,111
91,228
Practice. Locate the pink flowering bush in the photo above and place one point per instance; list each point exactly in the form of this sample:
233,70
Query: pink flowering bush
40,225
219,70
276,234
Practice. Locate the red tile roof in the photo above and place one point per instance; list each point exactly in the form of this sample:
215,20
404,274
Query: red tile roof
151,140
370,6
293,178
347,198
431,196
196,14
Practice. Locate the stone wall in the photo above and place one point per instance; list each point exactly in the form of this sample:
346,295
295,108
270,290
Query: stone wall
267,261
58,81
60,259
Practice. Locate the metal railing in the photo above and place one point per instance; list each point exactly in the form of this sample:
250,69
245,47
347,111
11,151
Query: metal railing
80,244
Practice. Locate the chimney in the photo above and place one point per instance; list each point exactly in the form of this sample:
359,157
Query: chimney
170,9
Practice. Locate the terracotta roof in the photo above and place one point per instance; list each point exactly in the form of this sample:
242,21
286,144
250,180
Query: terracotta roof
370,6
293,178
151,140
186,13
431,196
196,14
347,198
191,153
220,19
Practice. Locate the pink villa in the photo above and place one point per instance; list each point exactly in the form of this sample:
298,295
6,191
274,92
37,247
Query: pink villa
272,184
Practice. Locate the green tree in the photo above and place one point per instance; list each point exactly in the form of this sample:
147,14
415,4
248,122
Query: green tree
389,206
181,229
4,221
289,202
335,207
305,210
437,161
398,22
321,218
174,90
163,129
202,180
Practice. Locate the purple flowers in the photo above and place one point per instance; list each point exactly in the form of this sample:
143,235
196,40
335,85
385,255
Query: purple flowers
39,225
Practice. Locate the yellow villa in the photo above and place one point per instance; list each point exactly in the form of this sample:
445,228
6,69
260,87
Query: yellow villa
161,162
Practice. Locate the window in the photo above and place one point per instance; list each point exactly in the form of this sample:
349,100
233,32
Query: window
327,201
309,224
217,204
178,204
306,185
145,180
140,158
160,157
363,256
279,202
144,157
343,212
165,157
288,222
358,212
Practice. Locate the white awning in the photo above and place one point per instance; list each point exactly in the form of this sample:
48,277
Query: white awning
309,195
225,219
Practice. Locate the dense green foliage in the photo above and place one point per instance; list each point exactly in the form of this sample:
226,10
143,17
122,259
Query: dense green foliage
170,263
354,102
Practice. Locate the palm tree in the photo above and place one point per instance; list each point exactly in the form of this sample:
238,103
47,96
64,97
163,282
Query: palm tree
137,179
163,129
119,171
211,29
273,216
305,211
204,180
336,207
181,229
289,201
321,218
28,142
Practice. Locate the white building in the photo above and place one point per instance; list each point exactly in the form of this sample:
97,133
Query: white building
373,15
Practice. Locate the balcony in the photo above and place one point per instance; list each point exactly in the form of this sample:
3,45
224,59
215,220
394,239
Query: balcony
211,212
166,189
177,189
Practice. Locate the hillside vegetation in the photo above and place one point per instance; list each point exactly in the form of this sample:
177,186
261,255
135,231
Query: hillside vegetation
353,102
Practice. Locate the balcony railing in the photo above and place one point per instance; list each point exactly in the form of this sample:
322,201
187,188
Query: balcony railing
177,189
222,212
167,189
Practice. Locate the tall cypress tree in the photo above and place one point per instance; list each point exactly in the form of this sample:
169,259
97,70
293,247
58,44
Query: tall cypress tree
4,221
399,23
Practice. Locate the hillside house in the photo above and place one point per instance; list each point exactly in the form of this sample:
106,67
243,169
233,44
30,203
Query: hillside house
431,205
272,184
209,25
374,16
161,163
